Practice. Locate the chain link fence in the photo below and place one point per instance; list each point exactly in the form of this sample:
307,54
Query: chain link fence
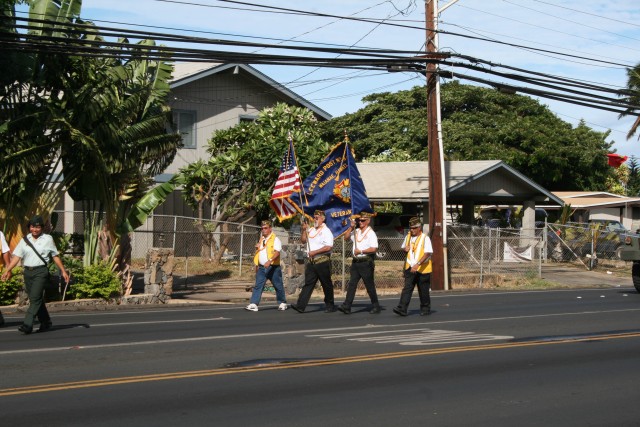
477,256
481,256
586,246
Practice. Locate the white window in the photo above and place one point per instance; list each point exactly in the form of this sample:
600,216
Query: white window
184,122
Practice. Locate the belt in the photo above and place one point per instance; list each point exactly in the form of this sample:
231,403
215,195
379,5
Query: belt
319,259
34,268
362,259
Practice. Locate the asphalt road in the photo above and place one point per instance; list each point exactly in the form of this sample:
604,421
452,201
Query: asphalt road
566,357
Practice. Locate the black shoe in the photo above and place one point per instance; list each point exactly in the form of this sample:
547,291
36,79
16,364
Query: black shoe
375,309
45,326
329,309
399,311
25,329
425,312
345,309
296,308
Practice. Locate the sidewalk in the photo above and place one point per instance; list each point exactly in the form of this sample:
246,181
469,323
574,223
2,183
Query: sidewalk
239,291
236,292
570,276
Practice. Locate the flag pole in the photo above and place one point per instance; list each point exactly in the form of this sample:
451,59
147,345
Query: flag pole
301,189
346,147
295,159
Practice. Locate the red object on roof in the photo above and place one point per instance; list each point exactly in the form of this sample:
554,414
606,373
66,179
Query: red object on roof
616,160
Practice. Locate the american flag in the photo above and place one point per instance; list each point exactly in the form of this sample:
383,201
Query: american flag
288,182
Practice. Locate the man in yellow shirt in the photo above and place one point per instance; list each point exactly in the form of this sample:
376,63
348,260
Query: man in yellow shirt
417,269
267,261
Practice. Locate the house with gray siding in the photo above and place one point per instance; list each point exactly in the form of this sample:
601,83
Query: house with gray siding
206,97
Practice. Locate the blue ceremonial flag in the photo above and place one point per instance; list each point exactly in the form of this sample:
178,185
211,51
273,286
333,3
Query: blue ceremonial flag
335,187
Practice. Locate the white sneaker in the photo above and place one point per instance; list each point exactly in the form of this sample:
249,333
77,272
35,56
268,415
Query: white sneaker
251,307
283,306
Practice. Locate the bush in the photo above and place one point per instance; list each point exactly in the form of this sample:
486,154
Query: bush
9,289
95,281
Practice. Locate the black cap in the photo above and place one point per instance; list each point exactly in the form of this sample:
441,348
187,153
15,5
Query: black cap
36,220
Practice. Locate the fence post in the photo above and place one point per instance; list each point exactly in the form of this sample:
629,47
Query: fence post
186,261
592,263
482,256
241,248
545,253
175,230
490,252
540,262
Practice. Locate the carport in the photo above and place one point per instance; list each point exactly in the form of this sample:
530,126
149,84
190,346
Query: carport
468,183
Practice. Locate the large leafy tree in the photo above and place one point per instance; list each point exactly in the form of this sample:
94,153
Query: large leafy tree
237,181
93,126
481,124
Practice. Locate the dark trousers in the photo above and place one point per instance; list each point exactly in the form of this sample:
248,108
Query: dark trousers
35,281
313,273
410,281
361,270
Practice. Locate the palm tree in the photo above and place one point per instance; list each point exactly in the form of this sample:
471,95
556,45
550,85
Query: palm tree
93,126
28,151
632,96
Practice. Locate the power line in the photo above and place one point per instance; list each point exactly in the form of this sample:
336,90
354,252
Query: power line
582,24
587,13
275,9
552,55
363,59
163,37
544,28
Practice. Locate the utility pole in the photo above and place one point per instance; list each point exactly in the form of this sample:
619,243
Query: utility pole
437,191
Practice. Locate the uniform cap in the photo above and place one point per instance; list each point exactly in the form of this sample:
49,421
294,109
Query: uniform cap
36,220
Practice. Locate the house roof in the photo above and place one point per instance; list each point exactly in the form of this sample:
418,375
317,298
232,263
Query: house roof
482,181
586,194
593,199
187,72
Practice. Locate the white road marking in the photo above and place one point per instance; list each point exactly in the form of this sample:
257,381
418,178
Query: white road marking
420,336
309,332
98,325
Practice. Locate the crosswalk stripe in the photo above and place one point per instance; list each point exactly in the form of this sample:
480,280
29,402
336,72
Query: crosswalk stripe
416,337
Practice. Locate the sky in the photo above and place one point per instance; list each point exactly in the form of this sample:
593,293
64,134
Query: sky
607,31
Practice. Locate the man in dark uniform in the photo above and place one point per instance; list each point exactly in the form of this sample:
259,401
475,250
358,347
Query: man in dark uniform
417,269
35,250
319,241
365,246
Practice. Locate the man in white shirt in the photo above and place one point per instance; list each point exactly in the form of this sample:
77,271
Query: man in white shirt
365,246
319,240
6,258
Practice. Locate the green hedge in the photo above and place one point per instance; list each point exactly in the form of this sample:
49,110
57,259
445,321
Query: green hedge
95,281
9,289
